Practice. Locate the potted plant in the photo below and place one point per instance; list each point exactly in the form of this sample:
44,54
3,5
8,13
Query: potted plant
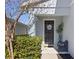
62,46
60,30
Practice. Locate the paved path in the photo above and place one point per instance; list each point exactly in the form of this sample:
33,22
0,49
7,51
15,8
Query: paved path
49,53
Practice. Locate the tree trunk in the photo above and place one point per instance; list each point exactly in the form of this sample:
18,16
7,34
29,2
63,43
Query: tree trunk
11,50
13,33
10,32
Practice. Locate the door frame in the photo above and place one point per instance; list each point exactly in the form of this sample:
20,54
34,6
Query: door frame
44,29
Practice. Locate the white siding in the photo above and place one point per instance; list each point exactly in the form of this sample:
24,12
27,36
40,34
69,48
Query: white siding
32,21
39,28
20,29
32,30
68,33
57,22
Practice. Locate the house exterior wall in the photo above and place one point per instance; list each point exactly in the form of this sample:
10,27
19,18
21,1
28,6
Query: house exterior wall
32,23
40,27
57,22
32,30
59,8
68,33
20,30
62,8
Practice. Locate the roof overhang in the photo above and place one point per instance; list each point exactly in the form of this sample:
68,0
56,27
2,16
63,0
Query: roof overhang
31,3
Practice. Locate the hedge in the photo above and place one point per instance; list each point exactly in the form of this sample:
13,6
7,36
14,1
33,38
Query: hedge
27,47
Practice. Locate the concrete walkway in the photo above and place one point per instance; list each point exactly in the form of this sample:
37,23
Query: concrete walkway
49,53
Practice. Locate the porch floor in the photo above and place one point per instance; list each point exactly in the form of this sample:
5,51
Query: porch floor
51,53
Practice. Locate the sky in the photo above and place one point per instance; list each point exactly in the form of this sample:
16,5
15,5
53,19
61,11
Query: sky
24,18
12,6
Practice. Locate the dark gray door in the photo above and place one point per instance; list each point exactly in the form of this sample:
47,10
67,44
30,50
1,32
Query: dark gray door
49,32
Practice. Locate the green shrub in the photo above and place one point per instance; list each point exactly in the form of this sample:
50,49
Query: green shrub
6,54
27,47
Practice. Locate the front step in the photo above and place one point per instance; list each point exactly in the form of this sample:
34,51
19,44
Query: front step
47,45
49,53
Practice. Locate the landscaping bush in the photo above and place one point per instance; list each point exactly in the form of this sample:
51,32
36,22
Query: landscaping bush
27,47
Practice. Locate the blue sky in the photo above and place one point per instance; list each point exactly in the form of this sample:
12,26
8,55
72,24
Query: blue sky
11,8
24,18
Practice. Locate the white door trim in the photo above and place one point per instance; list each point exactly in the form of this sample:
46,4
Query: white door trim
44,30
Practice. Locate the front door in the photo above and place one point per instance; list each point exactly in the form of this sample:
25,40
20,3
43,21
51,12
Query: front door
49,32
